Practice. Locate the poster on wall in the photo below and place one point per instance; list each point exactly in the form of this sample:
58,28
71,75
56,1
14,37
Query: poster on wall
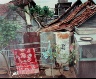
26,62
62,41
47,39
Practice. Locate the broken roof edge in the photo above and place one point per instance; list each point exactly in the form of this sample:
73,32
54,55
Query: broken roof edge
89,16
77,3
22,3
66,26
72,15
86,19
92,1
4,9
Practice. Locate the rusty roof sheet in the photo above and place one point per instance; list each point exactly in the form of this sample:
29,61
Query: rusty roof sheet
75,18
77,3
3,9
22,2
76,11
81,18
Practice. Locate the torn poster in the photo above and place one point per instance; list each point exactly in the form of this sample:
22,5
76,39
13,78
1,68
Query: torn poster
62,41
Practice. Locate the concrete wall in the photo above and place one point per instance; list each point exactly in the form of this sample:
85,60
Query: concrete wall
63,44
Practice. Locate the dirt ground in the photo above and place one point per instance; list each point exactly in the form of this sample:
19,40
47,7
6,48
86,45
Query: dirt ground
70,73
67,74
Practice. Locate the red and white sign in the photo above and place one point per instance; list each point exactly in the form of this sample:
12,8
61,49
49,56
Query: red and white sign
26,62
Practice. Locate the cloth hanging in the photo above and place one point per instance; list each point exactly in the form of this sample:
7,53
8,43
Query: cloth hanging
26,62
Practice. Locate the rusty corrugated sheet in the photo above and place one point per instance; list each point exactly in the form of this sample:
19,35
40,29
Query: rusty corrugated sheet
77,3
81,18
31,37
22,2
76,11
4,9
85,11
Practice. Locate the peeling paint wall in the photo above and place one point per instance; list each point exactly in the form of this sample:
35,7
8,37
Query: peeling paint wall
62,40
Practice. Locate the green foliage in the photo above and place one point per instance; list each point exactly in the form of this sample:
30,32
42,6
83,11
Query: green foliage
7,31
35,10
45,12
51,13
69,57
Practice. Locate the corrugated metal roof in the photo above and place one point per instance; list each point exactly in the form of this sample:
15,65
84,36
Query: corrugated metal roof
3,9
22,2
65,14
75,18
